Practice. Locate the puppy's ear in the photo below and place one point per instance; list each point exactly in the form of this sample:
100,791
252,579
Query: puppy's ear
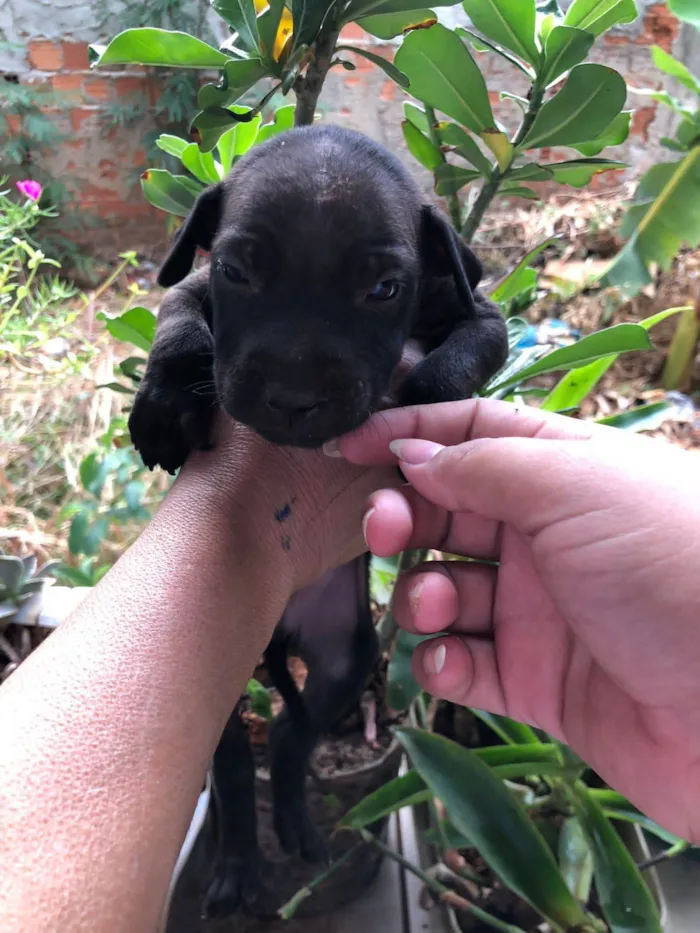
444,253
198,230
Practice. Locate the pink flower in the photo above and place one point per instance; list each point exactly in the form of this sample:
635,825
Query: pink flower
30,189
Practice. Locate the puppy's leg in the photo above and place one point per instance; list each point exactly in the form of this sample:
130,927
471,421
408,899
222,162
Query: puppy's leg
330,626
472,351
176,400
235,879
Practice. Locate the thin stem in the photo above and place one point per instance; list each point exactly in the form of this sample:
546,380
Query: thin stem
453,199
287,911
677,848
387,626
444,894
308,88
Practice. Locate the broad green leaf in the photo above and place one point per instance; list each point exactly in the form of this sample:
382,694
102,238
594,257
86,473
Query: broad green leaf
158,47
597,16
242,18
546,25
530,171
509,23
402,687
522,102
268,30
617,807
625,899
512,732
500,146
667,217
482,809
133,494
479,44
421,148
591,98
566,47
359,9
613,135
417,116
200,164
260,701
663,97
136,326
387,67
686,10
642,418
518,281
308,16
576,859
170,193
449,179
86,536
517,328
237,77
463,145
617,339
518,191
390,25
578,172
93,472
209,126
671,66
283,120
237,141
173,145
403,791
443,74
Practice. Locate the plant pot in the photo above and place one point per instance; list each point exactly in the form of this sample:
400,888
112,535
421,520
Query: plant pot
284,875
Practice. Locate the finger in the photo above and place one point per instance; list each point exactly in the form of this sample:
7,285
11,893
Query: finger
446,595
462,670
398,519
452,423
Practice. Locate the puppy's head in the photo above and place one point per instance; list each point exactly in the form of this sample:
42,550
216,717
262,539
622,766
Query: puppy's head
320,246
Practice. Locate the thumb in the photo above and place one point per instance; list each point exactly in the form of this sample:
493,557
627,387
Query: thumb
528,483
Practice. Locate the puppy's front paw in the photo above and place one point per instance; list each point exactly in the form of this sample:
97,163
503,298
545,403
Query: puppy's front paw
167,422
427,385
297,833
235,883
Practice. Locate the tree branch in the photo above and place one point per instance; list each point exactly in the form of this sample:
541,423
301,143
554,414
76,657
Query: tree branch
308,88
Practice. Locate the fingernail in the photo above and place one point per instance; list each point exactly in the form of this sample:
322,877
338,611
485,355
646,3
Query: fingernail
414,597
434,660
413,451
365,522
330,449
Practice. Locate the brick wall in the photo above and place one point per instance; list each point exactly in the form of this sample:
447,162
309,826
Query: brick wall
101,166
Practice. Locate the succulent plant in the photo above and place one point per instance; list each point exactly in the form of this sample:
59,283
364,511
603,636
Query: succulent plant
21,584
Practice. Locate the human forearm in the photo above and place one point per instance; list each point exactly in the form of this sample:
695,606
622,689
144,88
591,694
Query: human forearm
100,767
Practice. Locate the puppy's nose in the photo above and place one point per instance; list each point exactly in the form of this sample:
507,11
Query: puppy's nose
296,403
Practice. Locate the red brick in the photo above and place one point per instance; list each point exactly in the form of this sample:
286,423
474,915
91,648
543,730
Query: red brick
388,91
78,116
642,120
46,56
75,56
14,122
66,82
139,158
96,193
345,112
352,81
130,84
108,169
660,27
98,88
363,64
352,33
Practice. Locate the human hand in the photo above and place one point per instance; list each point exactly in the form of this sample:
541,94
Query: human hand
589,628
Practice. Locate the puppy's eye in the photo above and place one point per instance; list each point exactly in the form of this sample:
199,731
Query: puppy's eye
233,273
385,291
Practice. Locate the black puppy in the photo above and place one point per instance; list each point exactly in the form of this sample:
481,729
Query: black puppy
325,262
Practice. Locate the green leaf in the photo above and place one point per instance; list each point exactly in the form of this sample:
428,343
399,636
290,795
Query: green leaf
282,121
209,126
449,179
158,47
576,859
512,732
242,18
482,809
238,140
200,164
578,172
387,67
390,25
642,418
237,77
417,116
617,339
613,135
359,9
666,217
565,47
518,281
136,326
463,145
479,44
518,191
93,472
404,791
173,145
500,146
617,807
308,15
597,16
687,10
86,537
530,171
671,66
509,23
516,327
402,687
133,493
591,98
443,74
420,147
260,701
167,192
625,899
268,26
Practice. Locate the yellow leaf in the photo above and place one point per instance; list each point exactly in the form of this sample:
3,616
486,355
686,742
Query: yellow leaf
260,6
283,33
501,147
